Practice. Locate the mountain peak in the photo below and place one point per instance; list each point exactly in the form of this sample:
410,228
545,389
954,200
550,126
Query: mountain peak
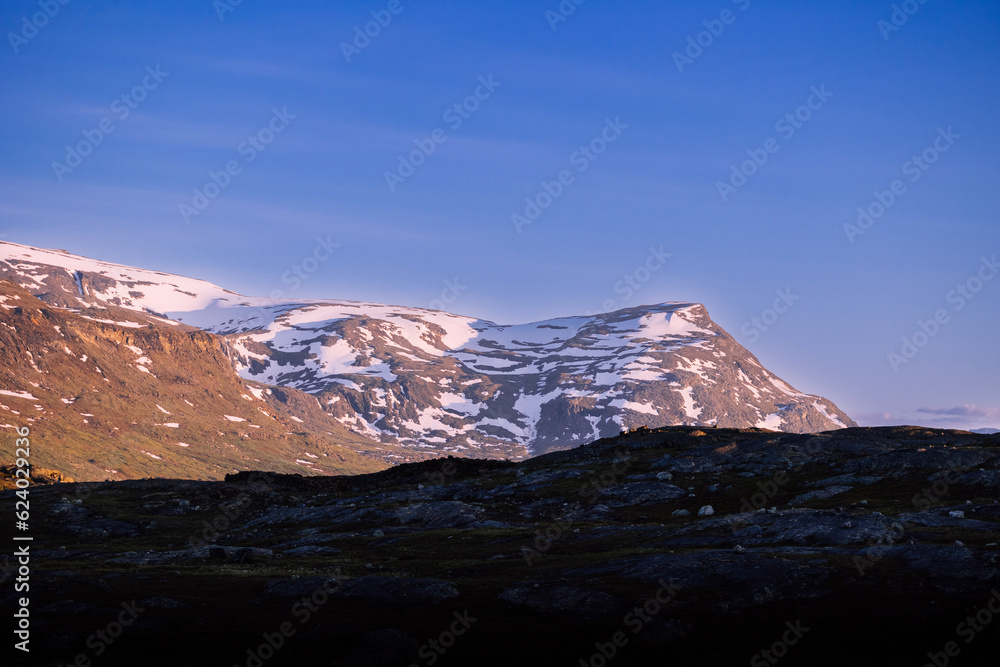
434,381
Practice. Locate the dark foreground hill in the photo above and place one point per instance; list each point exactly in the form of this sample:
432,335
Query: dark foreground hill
673,546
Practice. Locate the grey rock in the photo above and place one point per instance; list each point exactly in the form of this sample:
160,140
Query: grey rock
819,528
440,514
208,552
849,479
989,478
311,550
340,515
640,493
547,476
820,494
936,520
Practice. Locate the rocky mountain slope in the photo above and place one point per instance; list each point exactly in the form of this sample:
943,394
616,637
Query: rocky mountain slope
116,394
429,380
670,546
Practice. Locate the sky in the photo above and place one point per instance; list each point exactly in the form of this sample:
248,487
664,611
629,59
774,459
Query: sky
822,176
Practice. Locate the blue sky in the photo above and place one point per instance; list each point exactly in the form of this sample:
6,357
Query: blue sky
643,108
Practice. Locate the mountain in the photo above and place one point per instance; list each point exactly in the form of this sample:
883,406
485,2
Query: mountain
432,381
986,431
113,394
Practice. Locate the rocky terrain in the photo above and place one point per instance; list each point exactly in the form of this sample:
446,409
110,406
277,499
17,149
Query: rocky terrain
116,394
409,379
714,546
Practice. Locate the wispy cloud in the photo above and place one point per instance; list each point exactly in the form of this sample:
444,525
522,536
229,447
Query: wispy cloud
967,410
961,417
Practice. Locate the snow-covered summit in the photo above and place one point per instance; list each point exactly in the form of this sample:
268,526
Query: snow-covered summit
430,379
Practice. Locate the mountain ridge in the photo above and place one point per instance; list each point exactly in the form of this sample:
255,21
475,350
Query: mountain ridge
429,380
116,394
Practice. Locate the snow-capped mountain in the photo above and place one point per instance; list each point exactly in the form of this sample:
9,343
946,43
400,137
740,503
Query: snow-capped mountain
429,379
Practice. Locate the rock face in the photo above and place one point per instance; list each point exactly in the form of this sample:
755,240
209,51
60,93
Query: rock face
110,393
431,380
424,378
543,561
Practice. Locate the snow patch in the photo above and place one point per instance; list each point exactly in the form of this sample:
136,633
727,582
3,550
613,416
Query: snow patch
131,325
689,405
18,394
823,411
772,422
